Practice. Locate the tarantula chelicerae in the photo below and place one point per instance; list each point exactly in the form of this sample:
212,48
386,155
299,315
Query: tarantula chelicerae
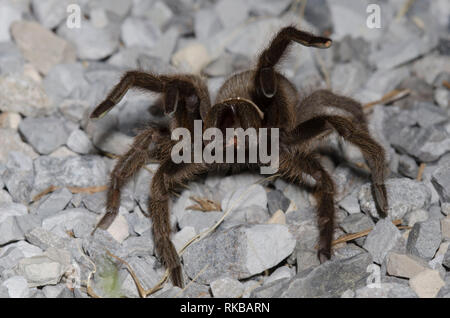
260,97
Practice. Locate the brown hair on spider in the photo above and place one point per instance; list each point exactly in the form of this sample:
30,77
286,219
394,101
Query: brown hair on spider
259,97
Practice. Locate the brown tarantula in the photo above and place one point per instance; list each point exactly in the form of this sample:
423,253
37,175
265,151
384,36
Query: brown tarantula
260,97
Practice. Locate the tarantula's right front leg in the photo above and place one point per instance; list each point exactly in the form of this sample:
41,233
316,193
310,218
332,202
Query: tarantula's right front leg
128,164
265,78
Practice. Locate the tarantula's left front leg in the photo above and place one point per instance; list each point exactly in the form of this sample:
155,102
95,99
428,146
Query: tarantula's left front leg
166,178
128,164
295,168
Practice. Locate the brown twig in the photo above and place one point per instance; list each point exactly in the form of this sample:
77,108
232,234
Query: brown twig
420,172
388,98
90,190
405,8
446,84
204,205
350,237
142,291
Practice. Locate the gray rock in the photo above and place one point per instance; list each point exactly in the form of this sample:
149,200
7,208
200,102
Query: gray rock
269,290
403,194
306,259
355,223
277,201
10,231
385,290
445,291
415,216
10,257
238,252
446,260
115,142
45,269
207,23
147,269
139,31
350,203
403,46
382,81
55,202
430,66
407,166
79,142
53,291
45,134
267,7
17,287
355,74
349,48
73,110
244,197
4,196
381,240
66,81
20,94
9,14
40,46
118,7
86,171
425,238
280,273
44,239
330,279
445,208
227,288
441,181
199,220
19,176
80,221
11,59
95,41
50,13
232,12
137,246
346,179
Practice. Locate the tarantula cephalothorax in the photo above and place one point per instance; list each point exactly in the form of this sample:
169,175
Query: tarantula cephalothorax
260,97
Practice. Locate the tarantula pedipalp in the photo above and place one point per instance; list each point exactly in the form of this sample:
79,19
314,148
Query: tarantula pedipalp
261,97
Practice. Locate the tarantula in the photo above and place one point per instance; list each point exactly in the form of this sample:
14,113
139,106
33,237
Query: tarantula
260,97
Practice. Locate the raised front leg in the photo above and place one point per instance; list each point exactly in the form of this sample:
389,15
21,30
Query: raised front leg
265,78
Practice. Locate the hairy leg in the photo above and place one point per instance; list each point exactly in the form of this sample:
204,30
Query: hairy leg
166,178
128,164
265,78
324,102
373,153
294,167
175,88
358,135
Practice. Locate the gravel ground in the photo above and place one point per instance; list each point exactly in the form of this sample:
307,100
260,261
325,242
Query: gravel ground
52,74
